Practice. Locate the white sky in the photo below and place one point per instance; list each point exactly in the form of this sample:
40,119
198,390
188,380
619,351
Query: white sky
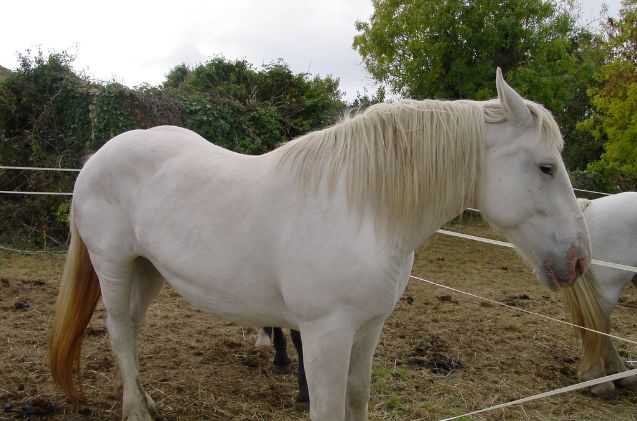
138,41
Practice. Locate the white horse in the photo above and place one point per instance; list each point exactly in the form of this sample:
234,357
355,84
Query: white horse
317,235
612,224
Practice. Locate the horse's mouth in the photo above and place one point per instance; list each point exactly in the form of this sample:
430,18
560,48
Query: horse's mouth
549,278
553,282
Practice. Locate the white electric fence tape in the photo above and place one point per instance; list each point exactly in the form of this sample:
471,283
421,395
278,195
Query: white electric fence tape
595,192
505,244
41,193
566,389
5,167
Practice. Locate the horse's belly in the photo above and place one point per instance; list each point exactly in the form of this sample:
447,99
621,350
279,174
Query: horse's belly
249,301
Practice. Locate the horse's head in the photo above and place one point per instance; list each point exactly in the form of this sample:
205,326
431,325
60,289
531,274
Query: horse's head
526,192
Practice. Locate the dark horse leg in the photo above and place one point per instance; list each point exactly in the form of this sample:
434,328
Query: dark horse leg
303,398
281,363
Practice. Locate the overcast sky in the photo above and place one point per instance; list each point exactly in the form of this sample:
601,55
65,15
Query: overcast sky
139,41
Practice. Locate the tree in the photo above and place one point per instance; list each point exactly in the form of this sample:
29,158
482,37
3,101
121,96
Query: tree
252,111
450,48
614,121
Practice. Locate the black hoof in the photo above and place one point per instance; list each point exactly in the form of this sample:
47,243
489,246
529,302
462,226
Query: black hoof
282,369
302,406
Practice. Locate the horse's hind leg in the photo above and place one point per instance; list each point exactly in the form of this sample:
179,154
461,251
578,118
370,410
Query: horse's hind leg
281,363
264,337
303,398
147,283
116,282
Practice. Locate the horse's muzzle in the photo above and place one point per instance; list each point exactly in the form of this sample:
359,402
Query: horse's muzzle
564,275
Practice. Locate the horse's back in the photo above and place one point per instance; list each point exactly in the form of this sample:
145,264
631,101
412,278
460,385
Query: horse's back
612,225
146,181
613,217
142,151
117,172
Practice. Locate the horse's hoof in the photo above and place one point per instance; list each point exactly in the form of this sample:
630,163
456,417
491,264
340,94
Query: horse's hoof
138,415
302,406
282,369
627,382
152,407
603,390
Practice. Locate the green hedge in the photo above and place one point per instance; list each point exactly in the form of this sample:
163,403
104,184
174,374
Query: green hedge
52,116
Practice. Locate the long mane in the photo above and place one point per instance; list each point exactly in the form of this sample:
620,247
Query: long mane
402,157
583,304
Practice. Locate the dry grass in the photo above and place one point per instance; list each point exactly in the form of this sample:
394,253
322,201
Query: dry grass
440,354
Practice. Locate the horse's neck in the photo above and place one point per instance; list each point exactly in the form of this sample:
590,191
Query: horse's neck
409,225
410,239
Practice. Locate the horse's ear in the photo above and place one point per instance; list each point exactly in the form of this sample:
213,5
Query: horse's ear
512,103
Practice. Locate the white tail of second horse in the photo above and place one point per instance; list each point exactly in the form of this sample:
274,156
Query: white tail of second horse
317,235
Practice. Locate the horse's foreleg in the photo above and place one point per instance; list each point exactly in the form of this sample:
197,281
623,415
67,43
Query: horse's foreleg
592,364
303,397
614,364
327,345
594,369
360,371
116,294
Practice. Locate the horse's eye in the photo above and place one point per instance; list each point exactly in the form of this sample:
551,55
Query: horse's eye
547,169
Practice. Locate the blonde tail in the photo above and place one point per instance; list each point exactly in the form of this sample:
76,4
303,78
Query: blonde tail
77,297
581,303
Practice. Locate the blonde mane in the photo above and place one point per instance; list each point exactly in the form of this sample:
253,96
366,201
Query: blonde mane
583,304
402,157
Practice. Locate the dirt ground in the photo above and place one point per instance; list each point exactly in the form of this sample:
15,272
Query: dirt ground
441,353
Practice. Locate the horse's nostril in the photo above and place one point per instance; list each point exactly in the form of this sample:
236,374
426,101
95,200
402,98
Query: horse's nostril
580,266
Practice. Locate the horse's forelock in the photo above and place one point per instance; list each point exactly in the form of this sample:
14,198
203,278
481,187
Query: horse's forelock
543,119
547,125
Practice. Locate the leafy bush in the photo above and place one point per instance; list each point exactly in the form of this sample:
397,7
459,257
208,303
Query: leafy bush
116,109
50,116
44,122
604,176
252,111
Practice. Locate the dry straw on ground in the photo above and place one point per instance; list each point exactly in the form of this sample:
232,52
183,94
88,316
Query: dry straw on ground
440,354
